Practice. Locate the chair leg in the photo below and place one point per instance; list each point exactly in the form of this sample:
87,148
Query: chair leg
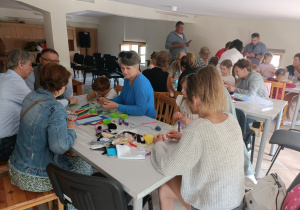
281,148
84,75
60,205
74,73
252,150
50,205
278,149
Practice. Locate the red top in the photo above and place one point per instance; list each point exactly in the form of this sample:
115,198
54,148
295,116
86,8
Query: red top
288,85
220,52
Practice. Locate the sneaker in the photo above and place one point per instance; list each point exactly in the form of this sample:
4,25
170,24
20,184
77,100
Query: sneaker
287,123
252,178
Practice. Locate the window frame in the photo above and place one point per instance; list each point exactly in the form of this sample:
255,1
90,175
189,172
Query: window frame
140,44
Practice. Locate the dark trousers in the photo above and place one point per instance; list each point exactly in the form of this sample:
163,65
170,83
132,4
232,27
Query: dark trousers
7,147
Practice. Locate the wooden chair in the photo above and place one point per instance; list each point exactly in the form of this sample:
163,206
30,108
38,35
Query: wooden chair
176,93
3,168
12,197
156,99
119,89
166,108
275,87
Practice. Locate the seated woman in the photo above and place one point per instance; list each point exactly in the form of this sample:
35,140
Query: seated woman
203,58
250,82
45,134
294,69
188,66
137,96
158,77
214,177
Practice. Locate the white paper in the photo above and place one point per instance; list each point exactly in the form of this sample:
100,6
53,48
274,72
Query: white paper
126,152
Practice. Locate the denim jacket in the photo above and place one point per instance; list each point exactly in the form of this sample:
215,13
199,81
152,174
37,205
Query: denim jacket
43,136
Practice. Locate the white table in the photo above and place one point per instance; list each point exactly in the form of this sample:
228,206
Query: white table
138,177
255,112
295,90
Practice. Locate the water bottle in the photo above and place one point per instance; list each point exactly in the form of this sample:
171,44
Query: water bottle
176,77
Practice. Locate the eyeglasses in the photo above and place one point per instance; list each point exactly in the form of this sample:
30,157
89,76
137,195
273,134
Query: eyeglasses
47,60
123,54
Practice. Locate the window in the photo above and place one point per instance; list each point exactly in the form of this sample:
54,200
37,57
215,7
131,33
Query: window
139,47
277,57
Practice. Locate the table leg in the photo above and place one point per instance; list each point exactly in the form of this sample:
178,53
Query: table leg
278,122
296,112
137,204
262,147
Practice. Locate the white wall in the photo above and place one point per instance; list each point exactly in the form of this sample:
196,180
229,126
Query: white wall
212,32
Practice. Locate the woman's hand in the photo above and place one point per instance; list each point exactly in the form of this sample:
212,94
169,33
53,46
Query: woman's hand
71,124
110,105
230,88
185,120
177,115
174,135
101,100
158,137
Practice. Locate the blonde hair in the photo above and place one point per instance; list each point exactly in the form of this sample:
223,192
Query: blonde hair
207,85
204,50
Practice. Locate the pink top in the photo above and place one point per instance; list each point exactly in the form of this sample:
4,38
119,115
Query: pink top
261,68
288,85
292,200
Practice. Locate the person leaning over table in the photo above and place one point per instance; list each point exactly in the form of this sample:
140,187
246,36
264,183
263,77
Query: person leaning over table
45,134
250,82
137,96
208,175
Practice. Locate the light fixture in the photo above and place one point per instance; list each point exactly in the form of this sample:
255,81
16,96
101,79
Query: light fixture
174,8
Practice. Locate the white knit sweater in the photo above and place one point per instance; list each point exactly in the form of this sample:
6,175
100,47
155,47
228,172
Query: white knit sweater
210,159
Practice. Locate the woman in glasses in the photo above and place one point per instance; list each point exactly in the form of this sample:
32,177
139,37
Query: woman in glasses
208,160
137,96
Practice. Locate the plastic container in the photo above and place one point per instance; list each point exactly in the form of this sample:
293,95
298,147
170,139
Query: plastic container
93,110
124,116
115,115
106,121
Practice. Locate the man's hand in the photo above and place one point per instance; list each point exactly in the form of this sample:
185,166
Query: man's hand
73,100
230,88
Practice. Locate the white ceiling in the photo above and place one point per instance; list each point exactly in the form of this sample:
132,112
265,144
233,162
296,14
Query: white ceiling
260,9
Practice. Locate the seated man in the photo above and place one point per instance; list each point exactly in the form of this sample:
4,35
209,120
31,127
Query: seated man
13,91
33,81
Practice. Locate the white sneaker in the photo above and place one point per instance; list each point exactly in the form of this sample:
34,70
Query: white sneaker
287,123
252,178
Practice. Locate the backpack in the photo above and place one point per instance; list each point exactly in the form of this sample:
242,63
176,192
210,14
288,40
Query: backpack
267,194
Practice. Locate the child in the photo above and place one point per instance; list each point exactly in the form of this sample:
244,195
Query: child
101,88
213,61
280,74
226,66
254,67
185,114
265,68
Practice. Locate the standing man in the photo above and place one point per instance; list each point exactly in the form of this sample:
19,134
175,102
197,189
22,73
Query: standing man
13,91
33,82
176,41
255,50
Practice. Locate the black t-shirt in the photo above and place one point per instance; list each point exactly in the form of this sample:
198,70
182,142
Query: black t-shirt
158,79
291,71
186,72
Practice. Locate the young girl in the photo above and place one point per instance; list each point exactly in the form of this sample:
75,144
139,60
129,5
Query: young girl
101,88
265,68
207,176
185,115
226,66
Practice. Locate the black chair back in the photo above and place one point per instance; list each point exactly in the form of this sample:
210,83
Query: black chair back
99,63
78,59
106,56
89,61
86,192
97,55
242,119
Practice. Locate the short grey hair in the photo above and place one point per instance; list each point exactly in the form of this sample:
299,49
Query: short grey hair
129,58
181,52
15,56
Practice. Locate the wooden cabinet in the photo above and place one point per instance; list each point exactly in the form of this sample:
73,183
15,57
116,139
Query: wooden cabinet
38,32
7,31
24,32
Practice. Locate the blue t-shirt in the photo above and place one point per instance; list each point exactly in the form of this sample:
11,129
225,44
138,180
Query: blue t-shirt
138,98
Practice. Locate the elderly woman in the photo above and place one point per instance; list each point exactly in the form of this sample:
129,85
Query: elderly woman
250,82
212,178
158,77
137,96
203,60
45,134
